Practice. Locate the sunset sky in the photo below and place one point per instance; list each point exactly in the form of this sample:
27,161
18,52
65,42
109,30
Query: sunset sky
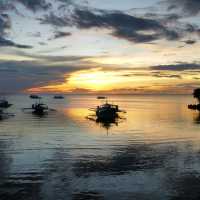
98,46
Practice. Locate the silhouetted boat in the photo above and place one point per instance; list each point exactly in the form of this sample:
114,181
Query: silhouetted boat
39,108
101,97
4,103
58,97
34,96
106,111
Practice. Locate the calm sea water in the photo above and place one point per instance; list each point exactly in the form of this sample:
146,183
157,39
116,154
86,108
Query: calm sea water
152,152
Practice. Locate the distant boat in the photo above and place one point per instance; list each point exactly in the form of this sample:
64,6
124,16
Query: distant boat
34,96
4,103
101,97
58,97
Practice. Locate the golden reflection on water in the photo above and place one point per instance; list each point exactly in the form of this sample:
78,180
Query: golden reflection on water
153,152
76,113
148,122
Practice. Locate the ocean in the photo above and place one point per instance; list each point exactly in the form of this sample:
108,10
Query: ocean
151,152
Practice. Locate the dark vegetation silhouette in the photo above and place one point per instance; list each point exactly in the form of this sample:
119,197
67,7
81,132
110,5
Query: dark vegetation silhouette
196,94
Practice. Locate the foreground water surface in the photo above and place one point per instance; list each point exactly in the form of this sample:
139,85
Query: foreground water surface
152,152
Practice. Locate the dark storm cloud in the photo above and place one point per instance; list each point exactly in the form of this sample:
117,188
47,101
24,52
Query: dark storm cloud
61,34
122,25
177,67
55,20
188,7
35,5
17,76
8,43
173,21
5,24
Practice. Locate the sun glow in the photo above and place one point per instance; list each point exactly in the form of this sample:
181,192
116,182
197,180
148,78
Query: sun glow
95,79
115,81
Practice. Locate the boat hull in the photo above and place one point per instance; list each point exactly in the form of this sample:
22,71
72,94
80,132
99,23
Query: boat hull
106,114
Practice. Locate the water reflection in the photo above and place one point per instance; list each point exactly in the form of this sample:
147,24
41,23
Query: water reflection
126,159
154,154
87,196
106,123
197,117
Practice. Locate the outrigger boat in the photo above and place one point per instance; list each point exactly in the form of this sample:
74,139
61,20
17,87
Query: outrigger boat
107,111
4,103
39,108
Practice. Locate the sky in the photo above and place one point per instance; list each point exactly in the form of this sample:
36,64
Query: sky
99,46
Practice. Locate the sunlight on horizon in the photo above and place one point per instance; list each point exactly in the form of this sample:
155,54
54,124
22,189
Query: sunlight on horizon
111,81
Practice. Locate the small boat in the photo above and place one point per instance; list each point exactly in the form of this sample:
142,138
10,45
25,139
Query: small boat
39,108
107,111
58,97
101,97
34,96
4,103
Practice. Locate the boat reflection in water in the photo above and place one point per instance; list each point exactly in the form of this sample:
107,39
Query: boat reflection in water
197,117
5,115
107,123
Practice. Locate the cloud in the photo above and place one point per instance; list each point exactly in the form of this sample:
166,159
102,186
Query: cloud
177,67
17,76
5,24
55,20
122,25
32,5
125,26
61,34
35,5
190,42
8,43
149,73
161,75
187,7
